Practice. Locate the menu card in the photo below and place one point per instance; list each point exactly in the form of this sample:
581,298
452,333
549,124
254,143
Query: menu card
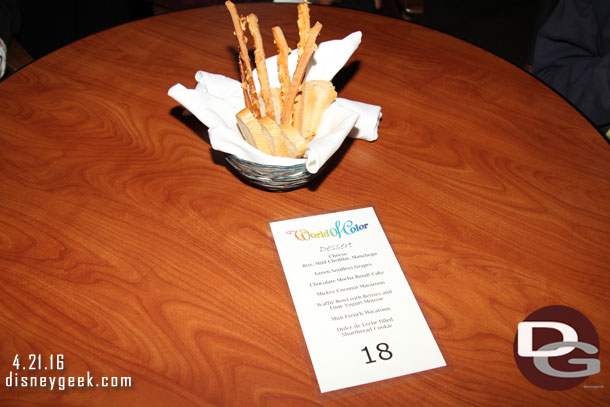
359,317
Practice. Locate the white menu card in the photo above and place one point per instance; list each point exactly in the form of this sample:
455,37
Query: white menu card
359,317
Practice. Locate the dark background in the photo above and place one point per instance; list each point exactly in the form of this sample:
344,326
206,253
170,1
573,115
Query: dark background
506,28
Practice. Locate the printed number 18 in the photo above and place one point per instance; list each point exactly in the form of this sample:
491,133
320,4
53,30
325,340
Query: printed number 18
382,348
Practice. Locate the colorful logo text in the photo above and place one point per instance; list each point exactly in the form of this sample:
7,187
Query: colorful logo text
340,229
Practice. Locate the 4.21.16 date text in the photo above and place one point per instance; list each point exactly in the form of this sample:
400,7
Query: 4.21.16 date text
37,362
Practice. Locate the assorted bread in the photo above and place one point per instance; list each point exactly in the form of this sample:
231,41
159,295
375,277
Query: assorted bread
280,121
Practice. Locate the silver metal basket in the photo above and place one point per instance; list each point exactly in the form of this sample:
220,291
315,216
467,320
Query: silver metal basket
271,177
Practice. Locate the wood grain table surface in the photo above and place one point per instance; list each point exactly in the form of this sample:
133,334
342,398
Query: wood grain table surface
129,247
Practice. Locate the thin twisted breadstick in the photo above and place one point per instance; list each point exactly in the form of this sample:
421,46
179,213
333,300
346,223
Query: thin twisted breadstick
261,66
299,73
282,60
244,87
247,79
297,112
303,24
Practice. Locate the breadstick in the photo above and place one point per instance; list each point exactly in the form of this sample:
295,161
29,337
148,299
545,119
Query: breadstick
244,86
299,73
245,59
261,66
304,25
282,60
297,113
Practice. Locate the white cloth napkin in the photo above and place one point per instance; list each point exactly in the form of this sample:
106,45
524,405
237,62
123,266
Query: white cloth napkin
216,99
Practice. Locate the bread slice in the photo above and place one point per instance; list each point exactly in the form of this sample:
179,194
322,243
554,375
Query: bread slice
295,143
317,96
273,135
276,101
252,131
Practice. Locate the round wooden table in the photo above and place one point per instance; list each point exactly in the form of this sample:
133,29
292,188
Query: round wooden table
130,249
